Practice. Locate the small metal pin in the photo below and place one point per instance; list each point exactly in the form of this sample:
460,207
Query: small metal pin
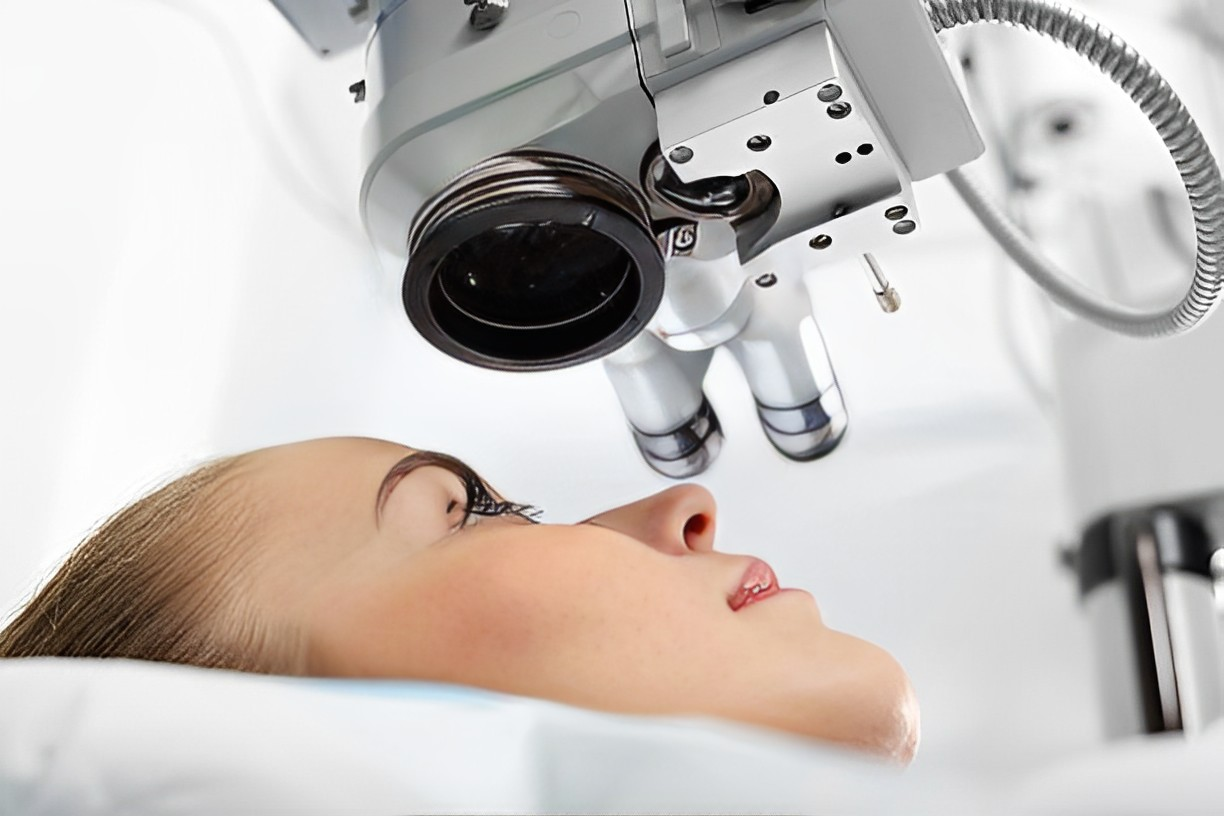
888,297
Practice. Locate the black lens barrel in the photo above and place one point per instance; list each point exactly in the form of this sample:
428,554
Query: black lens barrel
532,261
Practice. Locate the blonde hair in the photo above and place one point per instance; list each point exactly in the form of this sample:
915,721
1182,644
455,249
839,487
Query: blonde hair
158,581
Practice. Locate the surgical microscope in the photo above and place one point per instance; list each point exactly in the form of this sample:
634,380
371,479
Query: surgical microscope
641,182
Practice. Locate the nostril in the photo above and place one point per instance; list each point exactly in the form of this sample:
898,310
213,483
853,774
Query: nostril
696,526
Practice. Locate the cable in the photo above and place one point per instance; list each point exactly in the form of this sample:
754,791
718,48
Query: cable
1181,135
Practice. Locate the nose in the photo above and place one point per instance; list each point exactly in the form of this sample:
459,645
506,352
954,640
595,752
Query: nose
677,521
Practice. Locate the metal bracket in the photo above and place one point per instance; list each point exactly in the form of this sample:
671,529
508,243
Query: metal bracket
788,112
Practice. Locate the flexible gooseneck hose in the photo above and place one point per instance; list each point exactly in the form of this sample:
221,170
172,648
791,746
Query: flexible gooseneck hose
1181,135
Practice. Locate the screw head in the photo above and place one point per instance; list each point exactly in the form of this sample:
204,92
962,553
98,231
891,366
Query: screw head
904,227
772,97
896,213
843,158
681,155
829,93
759,144
767,280
839,110
821,242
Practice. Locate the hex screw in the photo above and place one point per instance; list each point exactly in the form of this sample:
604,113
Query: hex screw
896,213
829,93
759,144
681,155
839,110
821,242
767,280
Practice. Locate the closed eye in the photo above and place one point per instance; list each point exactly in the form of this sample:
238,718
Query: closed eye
480,499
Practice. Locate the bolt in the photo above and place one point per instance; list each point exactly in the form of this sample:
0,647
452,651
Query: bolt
821,242
681,155
896,213
767,280
758,144
904,227
839,110
772,97
829,93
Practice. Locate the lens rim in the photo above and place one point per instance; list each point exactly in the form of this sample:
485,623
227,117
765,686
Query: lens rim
594,200
644,284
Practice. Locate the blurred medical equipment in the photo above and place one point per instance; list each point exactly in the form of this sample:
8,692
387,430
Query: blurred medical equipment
1145,465
645,181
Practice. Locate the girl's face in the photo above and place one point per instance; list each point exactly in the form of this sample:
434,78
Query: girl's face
364,549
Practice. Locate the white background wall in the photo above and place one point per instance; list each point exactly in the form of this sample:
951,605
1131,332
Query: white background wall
185,276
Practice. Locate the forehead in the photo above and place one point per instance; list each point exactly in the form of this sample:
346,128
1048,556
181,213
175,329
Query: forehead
337,476
335,452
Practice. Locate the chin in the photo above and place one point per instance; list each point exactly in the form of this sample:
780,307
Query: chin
876,710
892,722
900,742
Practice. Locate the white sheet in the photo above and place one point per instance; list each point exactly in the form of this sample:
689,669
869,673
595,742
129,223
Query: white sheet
106,737
91,737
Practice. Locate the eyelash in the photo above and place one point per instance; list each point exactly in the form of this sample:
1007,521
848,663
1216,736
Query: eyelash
480,502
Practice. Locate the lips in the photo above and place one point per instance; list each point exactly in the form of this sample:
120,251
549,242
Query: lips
757,584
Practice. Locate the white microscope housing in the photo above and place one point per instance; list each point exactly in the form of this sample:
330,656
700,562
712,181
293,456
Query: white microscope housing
644,181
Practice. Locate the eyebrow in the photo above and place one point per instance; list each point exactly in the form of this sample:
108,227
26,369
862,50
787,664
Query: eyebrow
413,461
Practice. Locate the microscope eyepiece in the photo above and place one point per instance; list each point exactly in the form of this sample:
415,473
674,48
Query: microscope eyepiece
533,261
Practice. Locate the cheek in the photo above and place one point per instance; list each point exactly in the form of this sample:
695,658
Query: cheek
521,604
535,614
